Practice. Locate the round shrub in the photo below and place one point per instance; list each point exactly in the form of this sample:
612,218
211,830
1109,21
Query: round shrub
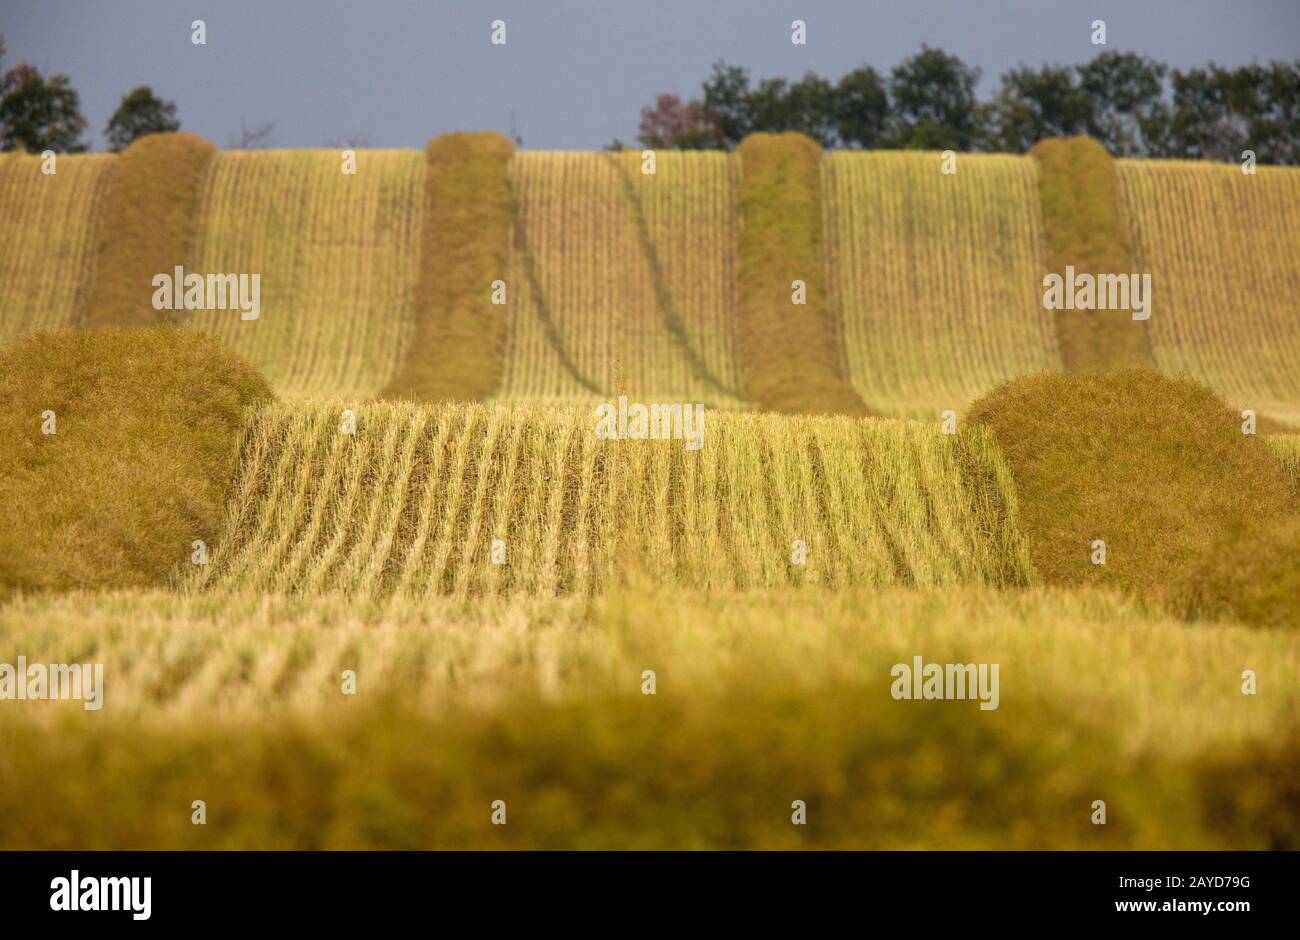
145,429
1156,468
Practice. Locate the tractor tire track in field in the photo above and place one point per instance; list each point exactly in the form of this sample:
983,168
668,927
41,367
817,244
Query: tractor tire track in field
673,321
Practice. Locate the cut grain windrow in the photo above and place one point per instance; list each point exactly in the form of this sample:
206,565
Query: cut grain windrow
366,573
300,519
458,332
374,458
1084,230
481,432
786,332
148,226
418,512
475,564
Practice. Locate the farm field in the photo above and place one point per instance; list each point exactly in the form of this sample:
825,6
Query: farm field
1228,281
392,474
336,255
624,281
48,229
761,697
905,242
412,502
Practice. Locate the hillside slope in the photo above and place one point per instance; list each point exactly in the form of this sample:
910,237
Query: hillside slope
337,257
1223,251
621,280
48,229
625,282
935,278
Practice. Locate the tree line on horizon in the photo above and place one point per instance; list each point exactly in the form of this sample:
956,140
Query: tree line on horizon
1134,105
39,113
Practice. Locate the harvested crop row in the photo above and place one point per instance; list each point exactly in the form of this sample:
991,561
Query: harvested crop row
48,228
1223,249
623,281
336,254
457,346
935,277
147,227
787,350
413,502
1085,229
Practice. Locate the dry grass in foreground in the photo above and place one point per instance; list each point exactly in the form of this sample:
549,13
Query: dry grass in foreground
761,698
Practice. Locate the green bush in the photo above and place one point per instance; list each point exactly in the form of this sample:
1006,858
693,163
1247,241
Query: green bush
457,352
147,226
1155,467
786,351
146,423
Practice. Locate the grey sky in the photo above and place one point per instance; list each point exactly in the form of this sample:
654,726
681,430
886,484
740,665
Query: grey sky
574,73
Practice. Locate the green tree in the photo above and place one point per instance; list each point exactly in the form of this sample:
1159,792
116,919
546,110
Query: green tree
934,107
39,114
141,112
1129,114
727,100
1275,132
861,109
1032,104
1207,123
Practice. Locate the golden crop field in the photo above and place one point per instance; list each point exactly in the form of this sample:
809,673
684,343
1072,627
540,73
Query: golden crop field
48,230
935,278
760,695
623,281
337,257
501,579
1223,251
413,501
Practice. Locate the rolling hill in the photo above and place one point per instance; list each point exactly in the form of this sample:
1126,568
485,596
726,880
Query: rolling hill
621,281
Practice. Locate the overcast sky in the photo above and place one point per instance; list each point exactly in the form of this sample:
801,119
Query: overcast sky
575,73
